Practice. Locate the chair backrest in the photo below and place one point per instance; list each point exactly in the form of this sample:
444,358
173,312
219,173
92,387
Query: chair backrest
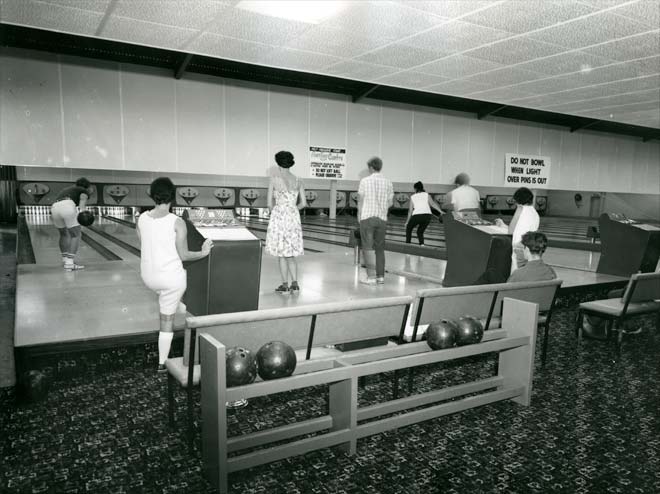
478,301
306,326
642,287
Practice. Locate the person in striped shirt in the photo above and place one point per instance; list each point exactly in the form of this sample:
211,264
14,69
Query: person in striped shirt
375,196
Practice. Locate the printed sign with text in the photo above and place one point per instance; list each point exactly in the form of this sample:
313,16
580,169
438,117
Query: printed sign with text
327,162
522,170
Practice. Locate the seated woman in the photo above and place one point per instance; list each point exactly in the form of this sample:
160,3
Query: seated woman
419,213
524,220
534,245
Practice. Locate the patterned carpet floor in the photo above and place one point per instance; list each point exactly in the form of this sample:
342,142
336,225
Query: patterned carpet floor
593,426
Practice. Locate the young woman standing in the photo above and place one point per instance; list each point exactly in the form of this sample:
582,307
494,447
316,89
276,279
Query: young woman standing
284,239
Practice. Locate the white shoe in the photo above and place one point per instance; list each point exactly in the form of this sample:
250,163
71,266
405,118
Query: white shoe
368,281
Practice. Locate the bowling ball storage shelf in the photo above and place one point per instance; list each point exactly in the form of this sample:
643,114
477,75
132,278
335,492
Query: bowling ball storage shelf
347,421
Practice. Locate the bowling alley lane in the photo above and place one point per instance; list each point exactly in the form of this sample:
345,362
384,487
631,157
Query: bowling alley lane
45,241
106,299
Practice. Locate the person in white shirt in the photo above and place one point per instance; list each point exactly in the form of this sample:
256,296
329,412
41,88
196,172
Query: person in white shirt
163,245
525,219
419,213
464,196
375,196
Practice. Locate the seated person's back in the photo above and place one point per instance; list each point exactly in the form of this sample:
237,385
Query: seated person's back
534,245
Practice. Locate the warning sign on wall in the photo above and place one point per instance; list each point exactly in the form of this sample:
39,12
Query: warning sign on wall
522,170
327,162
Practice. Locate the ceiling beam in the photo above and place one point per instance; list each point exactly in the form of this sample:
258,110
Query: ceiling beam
108,12
492,111
583,125
181,68
364,94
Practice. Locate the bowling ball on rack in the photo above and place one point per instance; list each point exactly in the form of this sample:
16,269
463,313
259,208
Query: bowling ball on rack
470,331
33,386
441,334
85,218
241,367
276,359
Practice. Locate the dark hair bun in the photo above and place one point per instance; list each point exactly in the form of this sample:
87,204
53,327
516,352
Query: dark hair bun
284,159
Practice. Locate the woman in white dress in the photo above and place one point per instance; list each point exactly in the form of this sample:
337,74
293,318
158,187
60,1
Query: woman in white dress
284,239
525,219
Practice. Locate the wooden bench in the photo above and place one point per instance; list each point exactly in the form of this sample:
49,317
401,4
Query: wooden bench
308,329
483,302
346,421
641,296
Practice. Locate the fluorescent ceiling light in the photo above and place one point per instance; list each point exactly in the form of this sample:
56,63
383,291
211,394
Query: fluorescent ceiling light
309,11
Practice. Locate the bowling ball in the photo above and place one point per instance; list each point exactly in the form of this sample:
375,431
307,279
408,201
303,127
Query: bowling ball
276,359
85,218
441,334
470,331
33,386
241,366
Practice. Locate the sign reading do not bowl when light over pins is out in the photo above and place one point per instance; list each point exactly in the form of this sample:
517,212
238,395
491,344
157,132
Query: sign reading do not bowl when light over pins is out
327,162
522,170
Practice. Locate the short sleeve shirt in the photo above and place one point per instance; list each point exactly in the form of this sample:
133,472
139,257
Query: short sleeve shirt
465,197
376,192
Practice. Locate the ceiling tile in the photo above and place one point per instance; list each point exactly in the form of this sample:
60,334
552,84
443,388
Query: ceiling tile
622,115
389,20
400,56
458,66
449,8
589,31
602,90
644,11
456,36
520,17
457,88
230,48
550,85
242,24
194,15
565,63
50,16
146,33
606,74
505,77
93,5
640,46
499,95
607,101
298,60
359,70
643,108
516,50
333,41
412,79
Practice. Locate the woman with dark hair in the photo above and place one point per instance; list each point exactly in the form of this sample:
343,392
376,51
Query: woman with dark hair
163,246
286,196
419,212
524,220
64,213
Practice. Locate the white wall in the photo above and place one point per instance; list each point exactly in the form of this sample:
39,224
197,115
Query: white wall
60,111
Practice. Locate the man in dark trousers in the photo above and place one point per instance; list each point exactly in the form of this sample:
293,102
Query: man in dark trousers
375,196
